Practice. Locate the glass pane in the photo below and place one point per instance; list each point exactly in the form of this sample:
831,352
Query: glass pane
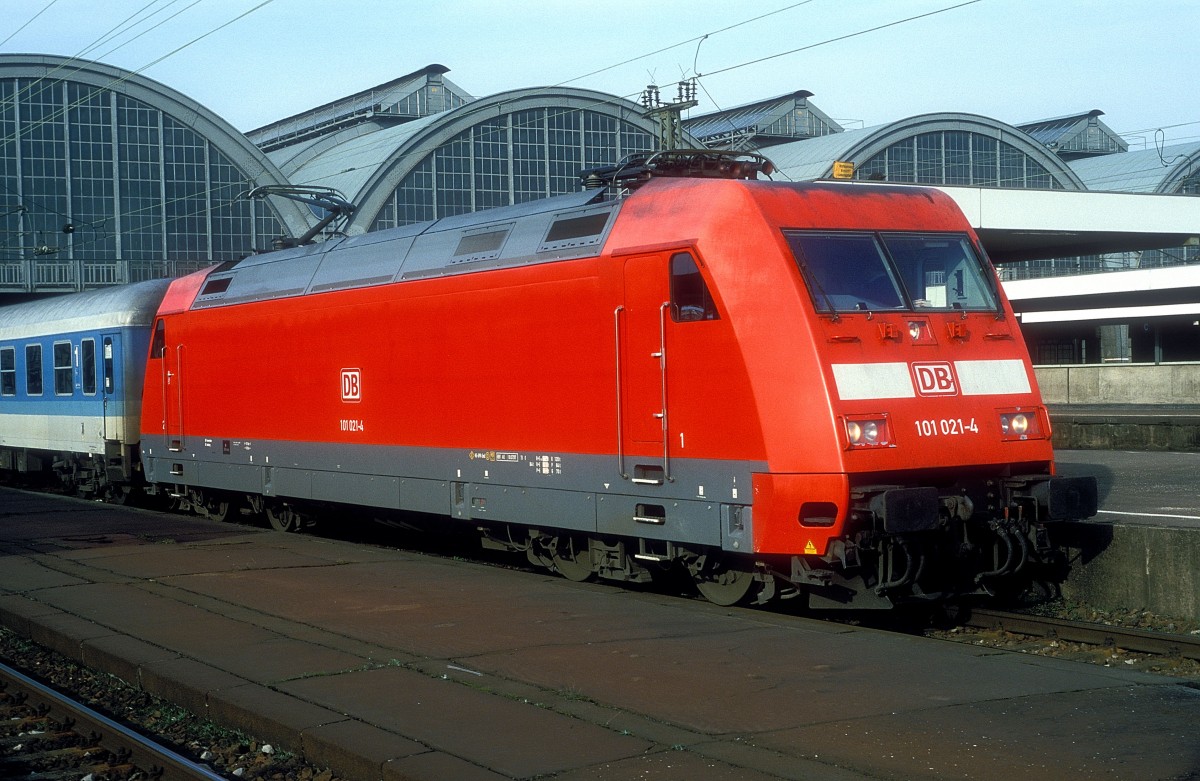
8,372
87,361
845,271
63,380
858,271
941,271
33,369
690,299
109,368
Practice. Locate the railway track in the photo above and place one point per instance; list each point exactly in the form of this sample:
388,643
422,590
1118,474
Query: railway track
1127,638
46,735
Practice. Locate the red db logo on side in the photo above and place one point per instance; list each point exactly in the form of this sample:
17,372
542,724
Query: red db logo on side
351,385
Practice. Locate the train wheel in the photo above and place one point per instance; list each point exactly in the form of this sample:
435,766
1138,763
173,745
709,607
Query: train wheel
217,510
210,505
572,558
722,583
283,518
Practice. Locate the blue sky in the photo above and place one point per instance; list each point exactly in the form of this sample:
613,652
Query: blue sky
1015,60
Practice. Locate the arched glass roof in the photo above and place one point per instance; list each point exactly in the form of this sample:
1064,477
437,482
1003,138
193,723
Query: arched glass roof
941,148
1175,169
508,148
417,94
109,177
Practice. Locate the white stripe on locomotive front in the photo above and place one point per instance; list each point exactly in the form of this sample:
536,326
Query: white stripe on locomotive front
992,378
893,380
858,381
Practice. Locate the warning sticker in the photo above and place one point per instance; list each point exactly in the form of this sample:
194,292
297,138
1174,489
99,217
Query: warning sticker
809,547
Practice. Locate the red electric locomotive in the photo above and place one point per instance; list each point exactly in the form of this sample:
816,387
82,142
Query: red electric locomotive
811,389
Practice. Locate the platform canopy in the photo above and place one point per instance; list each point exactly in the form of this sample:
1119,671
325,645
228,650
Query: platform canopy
1017,225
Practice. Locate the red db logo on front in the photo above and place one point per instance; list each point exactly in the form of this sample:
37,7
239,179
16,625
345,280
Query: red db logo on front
351,385
935,379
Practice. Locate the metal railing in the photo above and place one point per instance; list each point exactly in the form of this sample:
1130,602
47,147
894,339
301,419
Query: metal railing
1099,264
34,276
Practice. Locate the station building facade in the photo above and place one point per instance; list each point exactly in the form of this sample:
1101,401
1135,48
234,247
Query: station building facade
108,177
400,164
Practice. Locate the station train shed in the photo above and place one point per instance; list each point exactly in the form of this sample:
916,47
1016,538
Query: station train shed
109,177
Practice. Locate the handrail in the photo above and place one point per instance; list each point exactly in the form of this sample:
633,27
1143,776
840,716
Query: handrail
662,369
620,423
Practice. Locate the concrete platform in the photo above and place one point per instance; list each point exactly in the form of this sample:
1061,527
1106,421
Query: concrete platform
387,664
1141,550
1153,427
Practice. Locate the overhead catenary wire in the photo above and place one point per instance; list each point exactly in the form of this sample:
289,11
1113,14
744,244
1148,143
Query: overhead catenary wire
32,201
125,77
30,21
841,38
683,43
726,28
126,24
496,131
384,143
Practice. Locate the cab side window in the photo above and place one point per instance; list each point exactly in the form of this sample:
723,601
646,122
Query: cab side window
159,344
690,297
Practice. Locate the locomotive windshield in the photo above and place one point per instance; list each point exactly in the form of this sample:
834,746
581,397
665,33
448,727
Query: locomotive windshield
850,271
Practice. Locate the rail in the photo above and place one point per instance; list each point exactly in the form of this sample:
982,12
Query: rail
1128,638
157,760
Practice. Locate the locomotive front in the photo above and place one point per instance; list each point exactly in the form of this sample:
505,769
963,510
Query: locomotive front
944,483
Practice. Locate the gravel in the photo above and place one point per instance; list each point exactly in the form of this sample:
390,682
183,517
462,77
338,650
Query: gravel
226,751
1176,667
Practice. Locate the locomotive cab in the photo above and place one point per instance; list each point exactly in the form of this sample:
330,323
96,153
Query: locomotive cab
945,444
898,446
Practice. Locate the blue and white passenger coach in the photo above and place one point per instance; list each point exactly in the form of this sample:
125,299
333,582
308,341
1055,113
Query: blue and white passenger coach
71,371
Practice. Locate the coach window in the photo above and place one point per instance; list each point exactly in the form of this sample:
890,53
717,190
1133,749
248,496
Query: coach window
8,371
87,365
690,298
64,374
33,370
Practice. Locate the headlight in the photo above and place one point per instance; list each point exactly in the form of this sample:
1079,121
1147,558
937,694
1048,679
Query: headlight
868,431
854,431
1019,424
1014,424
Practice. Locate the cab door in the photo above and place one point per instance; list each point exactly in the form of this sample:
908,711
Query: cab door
642,355
170,354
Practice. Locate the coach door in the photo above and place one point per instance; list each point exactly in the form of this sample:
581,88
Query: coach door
641,332
106,362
